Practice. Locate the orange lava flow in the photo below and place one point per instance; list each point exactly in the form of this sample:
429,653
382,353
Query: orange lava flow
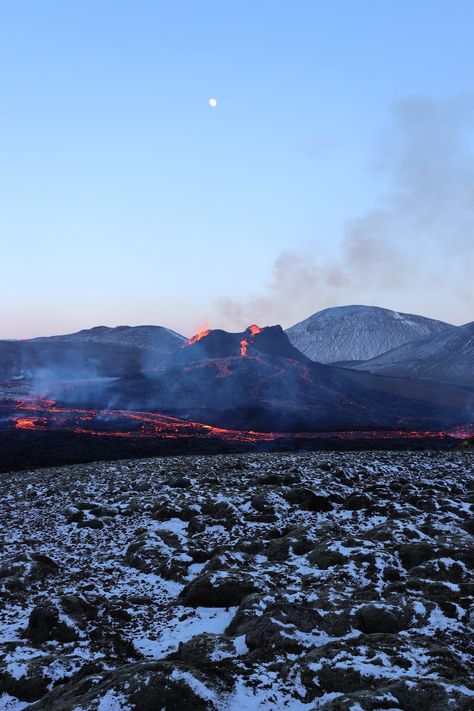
254,329
46,416
243,347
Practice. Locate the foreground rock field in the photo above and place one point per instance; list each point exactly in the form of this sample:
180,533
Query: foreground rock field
272,581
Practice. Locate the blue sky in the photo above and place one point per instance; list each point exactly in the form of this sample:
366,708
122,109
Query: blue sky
125,198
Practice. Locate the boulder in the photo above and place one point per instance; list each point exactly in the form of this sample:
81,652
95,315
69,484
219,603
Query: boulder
297,542
77,607
44,625
416,553
373,619
43,566
276,627
325,558
212,590
357,502
205,648
307,500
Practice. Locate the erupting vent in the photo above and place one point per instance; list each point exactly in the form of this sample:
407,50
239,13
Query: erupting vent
197,337
245,342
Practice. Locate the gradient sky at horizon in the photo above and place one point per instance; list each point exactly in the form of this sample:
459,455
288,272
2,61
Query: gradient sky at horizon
126,199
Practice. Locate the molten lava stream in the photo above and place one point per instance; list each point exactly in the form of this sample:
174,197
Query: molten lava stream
45,415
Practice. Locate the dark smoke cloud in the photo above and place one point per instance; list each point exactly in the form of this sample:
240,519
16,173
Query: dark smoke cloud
415,248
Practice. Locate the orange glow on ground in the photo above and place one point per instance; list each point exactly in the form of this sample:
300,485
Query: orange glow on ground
45,415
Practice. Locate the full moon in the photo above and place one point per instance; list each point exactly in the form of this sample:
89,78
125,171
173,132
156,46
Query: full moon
213,103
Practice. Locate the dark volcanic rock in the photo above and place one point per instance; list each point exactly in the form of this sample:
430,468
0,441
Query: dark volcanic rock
372,619
272,581
44,624
210,590
77,607
143,686
43,566
297,542
276,627
325,558
357,502
412,554
308,500
30,686
205,649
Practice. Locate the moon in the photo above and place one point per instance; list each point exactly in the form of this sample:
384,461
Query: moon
213,103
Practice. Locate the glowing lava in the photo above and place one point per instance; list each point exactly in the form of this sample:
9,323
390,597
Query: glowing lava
47,416
24,423
244,343
197,337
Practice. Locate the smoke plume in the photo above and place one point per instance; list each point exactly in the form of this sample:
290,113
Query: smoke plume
414,250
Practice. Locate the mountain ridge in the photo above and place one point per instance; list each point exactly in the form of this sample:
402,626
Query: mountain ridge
142,336
358,332
269,385
446,357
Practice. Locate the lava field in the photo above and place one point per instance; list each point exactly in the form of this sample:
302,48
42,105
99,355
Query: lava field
318,580
39,432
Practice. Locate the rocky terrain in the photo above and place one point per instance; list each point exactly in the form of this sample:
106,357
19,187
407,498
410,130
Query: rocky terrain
259,581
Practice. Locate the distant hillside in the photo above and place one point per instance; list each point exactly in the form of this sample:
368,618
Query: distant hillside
352,333
92,353
446,357
157,338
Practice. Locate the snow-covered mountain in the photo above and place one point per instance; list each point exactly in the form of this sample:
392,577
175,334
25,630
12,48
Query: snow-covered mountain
353,333
447,357
156,338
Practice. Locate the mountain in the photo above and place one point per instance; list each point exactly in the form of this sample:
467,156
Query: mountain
446,357
257,380
156,338
91,353
352,333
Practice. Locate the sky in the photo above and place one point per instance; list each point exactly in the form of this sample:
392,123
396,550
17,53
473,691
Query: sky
336,168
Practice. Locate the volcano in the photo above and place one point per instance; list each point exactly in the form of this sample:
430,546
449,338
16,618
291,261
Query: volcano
257,380
254,341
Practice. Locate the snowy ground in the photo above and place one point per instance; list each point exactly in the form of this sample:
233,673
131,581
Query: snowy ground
306,581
